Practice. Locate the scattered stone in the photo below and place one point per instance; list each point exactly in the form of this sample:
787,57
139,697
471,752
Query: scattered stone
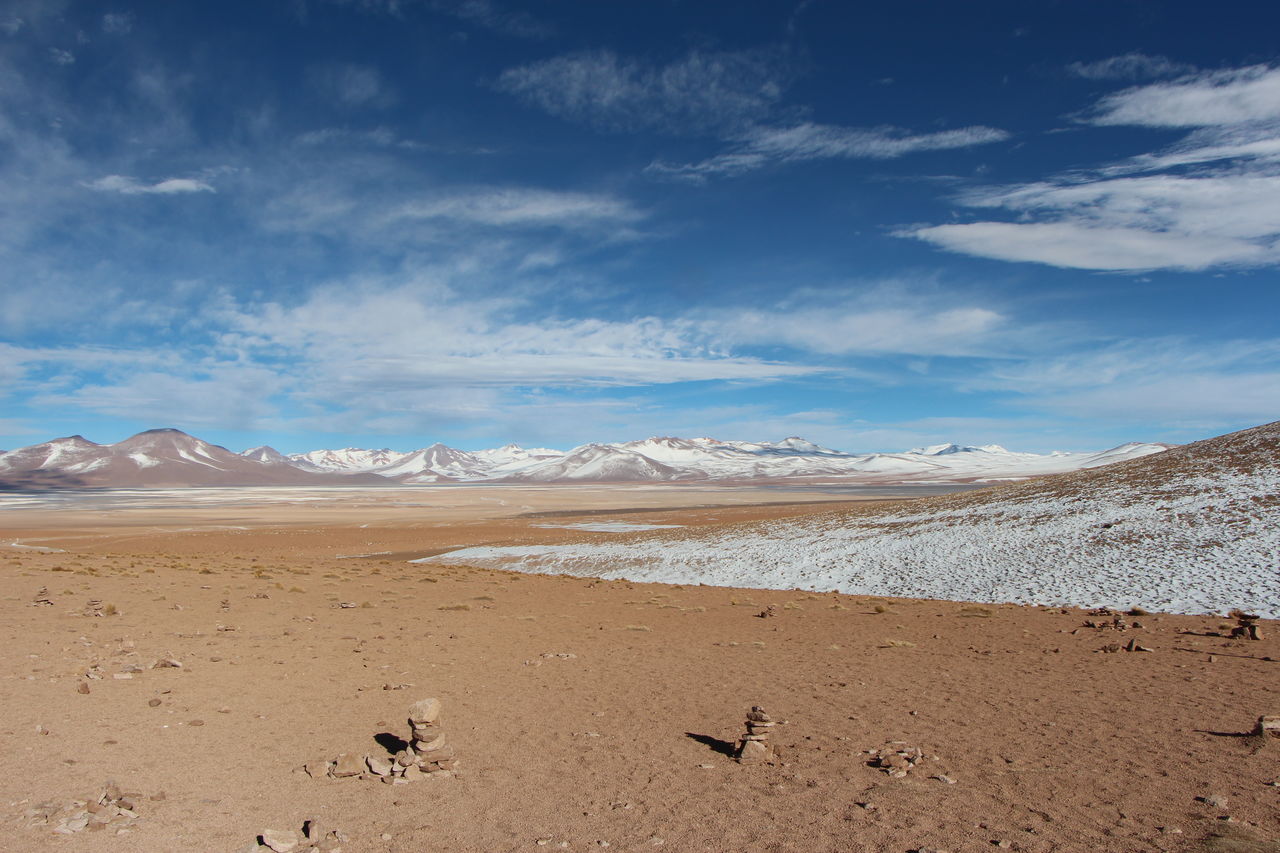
280,840
317,769
378,766
167,663
897,759
768,612
753,747
1216,801
82,688
1132,646
347,764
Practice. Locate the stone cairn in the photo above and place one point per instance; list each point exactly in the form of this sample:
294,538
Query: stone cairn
1246,626
754,747
1268,728
426,740
427,756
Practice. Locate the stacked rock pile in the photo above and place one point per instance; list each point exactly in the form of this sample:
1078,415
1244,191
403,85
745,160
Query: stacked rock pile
754,747
427,756
42,597
1268,728
1246,626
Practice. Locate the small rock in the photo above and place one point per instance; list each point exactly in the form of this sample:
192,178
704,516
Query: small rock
1217,801
196,723
280,840
378,766
82,688
153,703
348,764
424,711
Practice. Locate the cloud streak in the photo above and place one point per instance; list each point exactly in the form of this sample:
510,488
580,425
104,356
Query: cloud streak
762,146
1210,201
130,186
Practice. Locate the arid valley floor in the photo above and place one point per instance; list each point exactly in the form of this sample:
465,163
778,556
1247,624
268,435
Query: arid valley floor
586,713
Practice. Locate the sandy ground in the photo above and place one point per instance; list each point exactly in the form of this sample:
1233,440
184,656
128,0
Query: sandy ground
588,713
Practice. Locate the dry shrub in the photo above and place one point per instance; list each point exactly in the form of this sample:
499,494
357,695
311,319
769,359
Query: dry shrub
975,612
882,608
637,628
454,607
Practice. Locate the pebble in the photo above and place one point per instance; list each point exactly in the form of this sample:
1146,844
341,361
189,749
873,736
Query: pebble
82,688
196,723
153,702
1217,801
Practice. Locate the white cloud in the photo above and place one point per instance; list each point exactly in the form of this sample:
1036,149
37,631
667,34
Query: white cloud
1229,97
808,141
703,91
1129,66
130,186
845,329
62,57
1089,247
1211,200
501,206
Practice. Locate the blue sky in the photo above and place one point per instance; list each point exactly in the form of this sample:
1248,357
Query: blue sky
326,223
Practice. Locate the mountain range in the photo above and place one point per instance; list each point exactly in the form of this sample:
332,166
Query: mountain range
172,458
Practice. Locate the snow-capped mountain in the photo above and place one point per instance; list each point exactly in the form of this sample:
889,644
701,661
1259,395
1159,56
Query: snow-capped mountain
171,457
600,463
158,457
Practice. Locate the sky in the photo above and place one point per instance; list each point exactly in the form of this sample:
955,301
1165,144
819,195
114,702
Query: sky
386,223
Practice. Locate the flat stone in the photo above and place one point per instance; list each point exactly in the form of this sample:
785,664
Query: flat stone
313,830
412,773
425,711
421,746
405,758
348,764
378,766
450,764
317,769
281,840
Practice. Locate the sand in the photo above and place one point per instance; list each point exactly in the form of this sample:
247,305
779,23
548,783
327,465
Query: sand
588,713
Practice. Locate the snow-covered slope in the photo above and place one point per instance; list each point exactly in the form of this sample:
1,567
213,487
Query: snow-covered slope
598,463
348,460
1194,529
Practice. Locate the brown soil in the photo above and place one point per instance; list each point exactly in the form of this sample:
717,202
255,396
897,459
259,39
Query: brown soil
1052,744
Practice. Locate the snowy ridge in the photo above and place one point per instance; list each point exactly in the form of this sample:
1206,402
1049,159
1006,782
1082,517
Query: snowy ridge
1196,529
671,459
171,457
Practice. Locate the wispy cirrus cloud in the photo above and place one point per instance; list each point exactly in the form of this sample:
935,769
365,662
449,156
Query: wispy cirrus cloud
1233,96
131,186
701,92
808,141
1130,66
1211,200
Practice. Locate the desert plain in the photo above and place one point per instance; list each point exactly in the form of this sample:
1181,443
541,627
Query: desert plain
585,714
